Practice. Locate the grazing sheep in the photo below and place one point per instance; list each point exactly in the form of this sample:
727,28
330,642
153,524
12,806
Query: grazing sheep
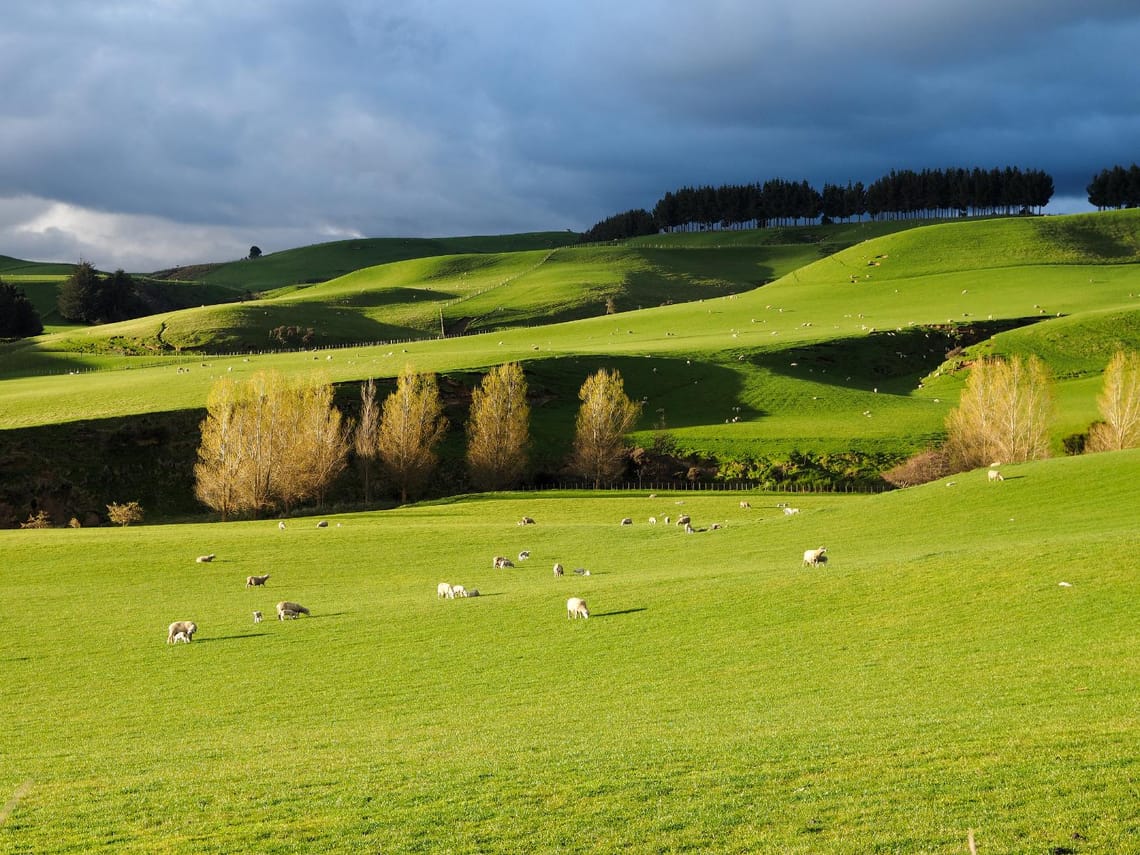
689,529
526,521
287,614
286,606
558,570
815,557
502,562
627,521
458,591
323,524
183,629
789,512
745,506
714,527
281,525
256,581
653,520
581,571
205,559
444,590
994,475
666,520
257,617
576,607
684,519
524,555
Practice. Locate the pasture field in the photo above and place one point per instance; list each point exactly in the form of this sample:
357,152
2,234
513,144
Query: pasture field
934,677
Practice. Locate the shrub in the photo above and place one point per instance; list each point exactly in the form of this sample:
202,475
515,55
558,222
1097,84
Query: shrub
921,468
40,519
124,515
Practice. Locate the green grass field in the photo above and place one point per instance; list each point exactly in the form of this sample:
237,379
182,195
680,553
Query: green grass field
933,678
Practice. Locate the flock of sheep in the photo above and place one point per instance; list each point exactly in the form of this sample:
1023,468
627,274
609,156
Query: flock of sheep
184,630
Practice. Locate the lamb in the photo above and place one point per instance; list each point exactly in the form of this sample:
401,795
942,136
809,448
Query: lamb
994,475
627,521
815,557
281,525
666,520
181,629
444,590
205,559
257,617
526,521
256,581
576,607
286,606
323,524
458,591
558,571
689,529
524,555
501,562
745,506
653,520
581,571
789,512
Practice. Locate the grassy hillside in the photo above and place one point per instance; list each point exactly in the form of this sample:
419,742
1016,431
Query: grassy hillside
933,678
321,262
847,353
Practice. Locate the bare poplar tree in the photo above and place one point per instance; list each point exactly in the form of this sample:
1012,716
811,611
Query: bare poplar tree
498,428
1003,415
367,431
318,440
1119,405
411,424
604,418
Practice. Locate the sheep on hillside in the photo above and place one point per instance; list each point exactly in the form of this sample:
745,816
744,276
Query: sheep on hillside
815,557
181,630
257,617
627,521
281,525
790,512
745,505
526,521
524,555
994,475
256,581
576,607
684,519
558,571
323,524
501,562
205,559
286,606
444,590
458,591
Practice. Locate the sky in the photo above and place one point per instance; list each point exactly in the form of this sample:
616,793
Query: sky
144,134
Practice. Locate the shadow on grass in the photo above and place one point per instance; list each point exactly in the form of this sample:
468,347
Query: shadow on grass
326,614
615,614
229,637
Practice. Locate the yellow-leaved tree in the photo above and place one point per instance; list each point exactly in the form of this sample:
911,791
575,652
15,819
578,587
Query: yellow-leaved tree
605,417
1119,405
1003,415
411,425
498,429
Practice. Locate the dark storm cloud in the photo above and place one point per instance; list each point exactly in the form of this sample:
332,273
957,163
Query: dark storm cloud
230,123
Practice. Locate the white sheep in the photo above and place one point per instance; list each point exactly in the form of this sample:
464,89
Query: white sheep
653,520
524,555
745,506
627,521
789,512
287,614
183,629
994,475
689,529
444,590
458,591
526,521
281,525
256,581
815,557
666,520
286,606
205,559
257,617
323,524
558,570
582,571
576,607
501,562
